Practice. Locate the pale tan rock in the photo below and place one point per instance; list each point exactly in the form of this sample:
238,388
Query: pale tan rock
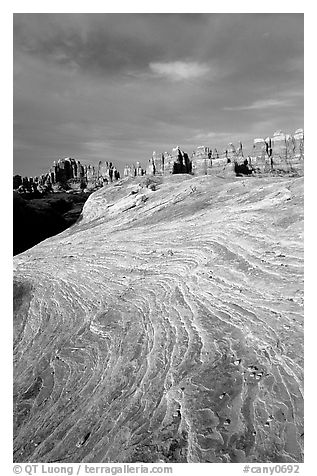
162,327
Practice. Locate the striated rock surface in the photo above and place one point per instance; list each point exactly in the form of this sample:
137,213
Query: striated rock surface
260,155
158,163
299,143
201,161
231,152
297,156
165,325
281,151
169,163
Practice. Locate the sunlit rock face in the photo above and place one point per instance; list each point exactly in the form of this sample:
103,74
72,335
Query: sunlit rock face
231,152
261,159
281,151
158,163
220,161
299,143
206,162
298,151
201,161
165,325
169,162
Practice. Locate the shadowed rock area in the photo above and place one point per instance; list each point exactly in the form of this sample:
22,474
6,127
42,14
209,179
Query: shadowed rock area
165,326
36,219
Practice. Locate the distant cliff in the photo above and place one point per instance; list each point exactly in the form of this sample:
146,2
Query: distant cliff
283,153
68,174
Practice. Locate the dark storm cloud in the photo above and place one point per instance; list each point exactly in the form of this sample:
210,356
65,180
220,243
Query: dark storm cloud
107,43
117,86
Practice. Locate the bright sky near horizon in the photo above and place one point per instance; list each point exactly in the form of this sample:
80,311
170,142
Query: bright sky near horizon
116,87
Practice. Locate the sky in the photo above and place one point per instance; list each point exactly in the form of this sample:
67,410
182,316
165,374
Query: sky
116,86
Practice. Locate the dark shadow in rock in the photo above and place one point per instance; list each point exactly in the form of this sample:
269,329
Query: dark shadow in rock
242,169
36,219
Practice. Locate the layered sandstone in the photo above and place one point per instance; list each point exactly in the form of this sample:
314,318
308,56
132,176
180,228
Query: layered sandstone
158,161
281,153
68,174
261,159
201,161
133,171
165,326
299,144
281,149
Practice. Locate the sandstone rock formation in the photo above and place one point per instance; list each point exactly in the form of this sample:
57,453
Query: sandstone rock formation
299,144
165,325
280,150
68,174
17,181
261,158
201,161
282,153
168,163
231,153
181,161
133,171
158,160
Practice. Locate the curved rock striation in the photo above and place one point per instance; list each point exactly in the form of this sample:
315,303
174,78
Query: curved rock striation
166,325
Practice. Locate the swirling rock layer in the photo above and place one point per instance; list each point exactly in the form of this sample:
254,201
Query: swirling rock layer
166,325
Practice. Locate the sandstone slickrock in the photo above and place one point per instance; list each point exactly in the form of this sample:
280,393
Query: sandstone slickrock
165,325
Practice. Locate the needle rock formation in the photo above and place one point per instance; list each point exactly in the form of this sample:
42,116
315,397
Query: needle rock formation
166,325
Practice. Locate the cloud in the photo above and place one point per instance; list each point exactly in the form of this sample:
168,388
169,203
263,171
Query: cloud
117,86
180,70
261,104
211,135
